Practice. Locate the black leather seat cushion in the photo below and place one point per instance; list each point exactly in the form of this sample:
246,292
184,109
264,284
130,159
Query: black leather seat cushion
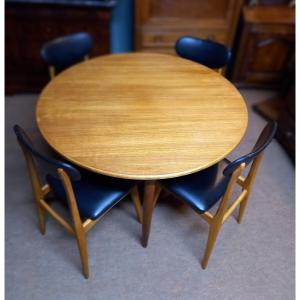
200,190
95,194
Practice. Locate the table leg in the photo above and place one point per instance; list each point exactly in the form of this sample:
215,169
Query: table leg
148,205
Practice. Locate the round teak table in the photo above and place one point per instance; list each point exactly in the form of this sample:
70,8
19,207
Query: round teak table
142,116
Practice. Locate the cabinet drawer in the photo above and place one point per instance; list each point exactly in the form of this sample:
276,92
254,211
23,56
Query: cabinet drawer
169,39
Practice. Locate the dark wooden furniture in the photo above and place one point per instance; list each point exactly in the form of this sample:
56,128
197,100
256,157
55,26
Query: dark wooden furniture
159,23
281,108
286,125
30,24
265,46
269,2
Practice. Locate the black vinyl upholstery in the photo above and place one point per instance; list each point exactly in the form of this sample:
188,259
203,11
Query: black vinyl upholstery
95,194
205,52
49,163
200,190
262,143
203,189
67,50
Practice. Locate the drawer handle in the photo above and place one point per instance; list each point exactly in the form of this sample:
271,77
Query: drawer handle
266,42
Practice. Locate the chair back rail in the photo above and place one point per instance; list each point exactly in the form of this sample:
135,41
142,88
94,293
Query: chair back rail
235,168
205,52
35,160
263,141
66,51
50,164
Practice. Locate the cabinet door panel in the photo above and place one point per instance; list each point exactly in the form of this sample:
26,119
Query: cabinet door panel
262,58
28,27
169,39
158,23
194,8
269,53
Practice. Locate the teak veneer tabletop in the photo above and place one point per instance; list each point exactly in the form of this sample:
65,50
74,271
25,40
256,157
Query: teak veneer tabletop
141,116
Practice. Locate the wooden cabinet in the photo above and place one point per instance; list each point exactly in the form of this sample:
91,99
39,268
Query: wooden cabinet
266,45
286,122
29,24
159,23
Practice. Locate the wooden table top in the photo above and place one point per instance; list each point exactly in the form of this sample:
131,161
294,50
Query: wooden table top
141,116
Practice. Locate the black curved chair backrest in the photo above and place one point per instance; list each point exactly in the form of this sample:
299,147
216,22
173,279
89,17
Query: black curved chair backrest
205,52
51,163
263,141
67,50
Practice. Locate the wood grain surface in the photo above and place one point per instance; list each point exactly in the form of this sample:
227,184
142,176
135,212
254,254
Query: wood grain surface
141,116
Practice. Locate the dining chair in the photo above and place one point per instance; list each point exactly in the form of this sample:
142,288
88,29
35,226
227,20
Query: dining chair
87,196
205,52
204,189
65,51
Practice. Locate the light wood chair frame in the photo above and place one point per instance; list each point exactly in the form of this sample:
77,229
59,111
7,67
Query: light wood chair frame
77,228
224,210
52,70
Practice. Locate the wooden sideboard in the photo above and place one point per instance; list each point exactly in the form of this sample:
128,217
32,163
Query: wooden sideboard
265,46
29,24
159,23
284,108
286,134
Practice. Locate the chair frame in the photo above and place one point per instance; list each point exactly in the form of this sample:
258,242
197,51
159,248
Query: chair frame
52,70
224,210
78,228
221,70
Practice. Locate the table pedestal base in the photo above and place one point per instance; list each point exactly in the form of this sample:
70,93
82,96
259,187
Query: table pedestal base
151,193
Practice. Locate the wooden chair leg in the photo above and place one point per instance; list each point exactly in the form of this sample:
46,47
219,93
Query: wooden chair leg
51,72
212,237
78,226
42,219
137,203
242,210
148,204
81,242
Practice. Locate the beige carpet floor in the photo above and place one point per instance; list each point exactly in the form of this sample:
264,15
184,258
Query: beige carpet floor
254,260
